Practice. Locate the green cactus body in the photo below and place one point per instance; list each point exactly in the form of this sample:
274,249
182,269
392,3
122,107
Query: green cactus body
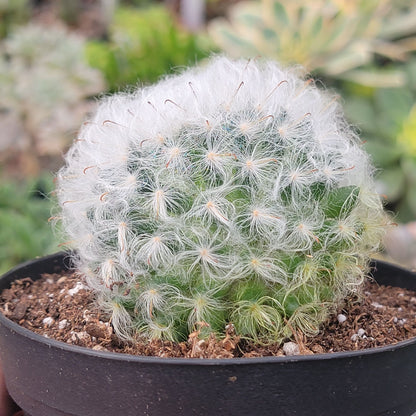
233,193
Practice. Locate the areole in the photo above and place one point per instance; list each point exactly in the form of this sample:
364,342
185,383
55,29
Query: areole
49,378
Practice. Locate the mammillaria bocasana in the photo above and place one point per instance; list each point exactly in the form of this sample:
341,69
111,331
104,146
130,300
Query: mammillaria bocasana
233,193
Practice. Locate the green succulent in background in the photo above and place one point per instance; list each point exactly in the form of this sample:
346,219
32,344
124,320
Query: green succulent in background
387,120
12,12
144,45
332,38
24,212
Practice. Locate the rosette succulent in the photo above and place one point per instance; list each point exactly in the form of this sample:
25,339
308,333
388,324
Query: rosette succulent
231,194
336,39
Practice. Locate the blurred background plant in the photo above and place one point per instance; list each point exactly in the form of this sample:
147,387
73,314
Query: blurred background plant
92,18
365,49
331,38
45,84
12,13
143,45
24,212
387,118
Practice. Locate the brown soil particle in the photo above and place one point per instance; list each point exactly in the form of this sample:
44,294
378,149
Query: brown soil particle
61,307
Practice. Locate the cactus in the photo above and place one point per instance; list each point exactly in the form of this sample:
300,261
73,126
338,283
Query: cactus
233,194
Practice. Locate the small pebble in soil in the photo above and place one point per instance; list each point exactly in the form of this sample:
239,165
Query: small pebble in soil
291,348
79,286
360,334
80,336
341,318
48,321
63,324
87,315
61,280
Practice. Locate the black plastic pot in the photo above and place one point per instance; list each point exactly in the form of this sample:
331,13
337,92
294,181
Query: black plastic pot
50,378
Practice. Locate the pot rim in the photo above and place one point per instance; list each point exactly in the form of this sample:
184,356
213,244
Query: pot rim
52,343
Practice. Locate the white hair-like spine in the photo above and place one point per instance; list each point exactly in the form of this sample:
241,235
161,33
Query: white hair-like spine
237,184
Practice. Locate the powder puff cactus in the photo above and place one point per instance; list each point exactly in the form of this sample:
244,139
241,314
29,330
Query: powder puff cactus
234,194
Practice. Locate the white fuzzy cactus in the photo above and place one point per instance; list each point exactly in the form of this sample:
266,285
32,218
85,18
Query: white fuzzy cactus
232,193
